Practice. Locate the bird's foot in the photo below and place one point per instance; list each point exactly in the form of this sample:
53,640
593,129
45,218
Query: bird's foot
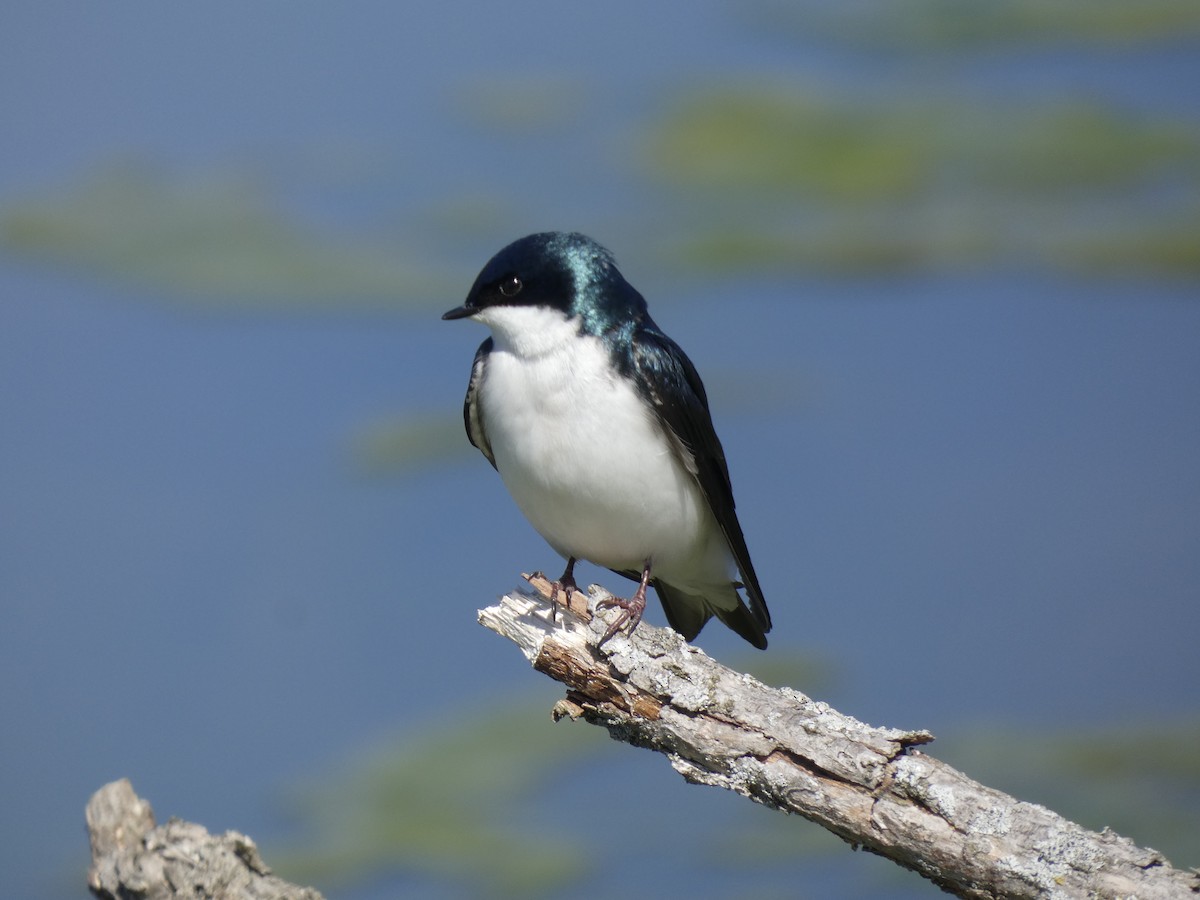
631,609
566,586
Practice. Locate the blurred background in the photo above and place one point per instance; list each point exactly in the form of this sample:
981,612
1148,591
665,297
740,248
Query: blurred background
938,262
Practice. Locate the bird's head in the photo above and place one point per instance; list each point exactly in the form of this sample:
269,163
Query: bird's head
566,273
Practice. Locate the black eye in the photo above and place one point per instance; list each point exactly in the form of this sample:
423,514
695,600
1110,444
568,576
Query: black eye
510,285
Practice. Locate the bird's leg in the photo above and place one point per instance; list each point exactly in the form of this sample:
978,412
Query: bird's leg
566,584
632,608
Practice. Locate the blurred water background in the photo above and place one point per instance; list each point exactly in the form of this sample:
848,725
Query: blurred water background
938,263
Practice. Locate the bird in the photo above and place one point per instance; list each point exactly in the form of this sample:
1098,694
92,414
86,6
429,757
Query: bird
599,426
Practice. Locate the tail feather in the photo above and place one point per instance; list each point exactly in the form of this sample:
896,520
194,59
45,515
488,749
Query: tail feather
688,613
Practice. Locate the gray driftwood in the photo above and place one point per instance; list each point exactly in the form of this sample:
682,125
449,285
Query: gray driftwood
873,787
133,857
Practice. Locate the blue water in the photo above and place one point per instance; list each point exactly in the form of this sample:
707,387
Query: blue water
979,501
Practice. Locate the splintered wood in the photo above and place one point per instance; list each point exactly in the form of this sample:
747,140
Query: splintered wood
873,787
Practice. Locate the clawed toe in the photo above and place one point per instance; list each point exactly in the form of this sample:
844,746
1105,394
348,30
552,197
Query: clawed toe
631,614
631,609
566,586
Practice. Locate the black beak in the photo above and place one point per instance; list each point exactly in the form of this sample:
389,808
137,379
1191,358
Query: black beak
459,312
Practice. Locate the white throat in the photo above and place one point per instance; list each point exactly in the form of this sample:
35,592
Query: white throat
529,332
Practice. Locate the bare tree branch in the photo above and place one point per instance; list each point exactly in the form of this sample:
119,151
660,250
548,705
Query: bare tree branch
873,787
132,857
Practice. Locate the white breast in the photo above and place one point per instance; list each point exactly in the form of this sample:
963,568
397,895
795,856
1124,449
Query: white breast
584,458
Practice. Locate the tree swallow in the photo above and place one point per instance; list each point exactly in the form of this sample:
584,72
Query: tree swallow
599,426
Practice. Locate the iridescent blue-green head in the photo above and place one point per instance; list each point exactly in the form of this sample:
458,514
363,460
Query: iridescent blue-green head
564,271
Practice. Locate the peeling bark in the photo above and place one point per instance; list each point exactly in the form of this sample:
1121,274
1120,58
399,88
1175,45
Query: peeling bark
873,787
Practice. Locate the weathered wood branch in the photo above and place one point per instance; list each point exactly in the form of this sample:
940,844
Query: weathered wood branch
873,787
132,857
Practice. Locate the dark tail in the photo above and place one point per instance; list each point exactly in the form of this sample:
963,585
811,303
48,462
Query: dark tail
688,613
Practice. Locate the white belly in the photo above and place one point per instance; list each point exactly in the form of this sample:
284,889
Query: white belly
590,467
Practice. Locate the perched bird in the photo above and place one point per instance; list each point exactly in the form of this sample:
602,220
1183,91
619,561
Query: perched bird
599,425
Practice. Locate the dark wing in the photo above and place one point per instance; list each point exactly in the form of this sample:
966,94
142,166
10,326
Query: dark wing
668,380
472,416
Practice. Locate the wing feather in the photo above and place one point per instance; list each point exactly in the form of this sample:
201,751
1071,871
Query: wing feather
472,416
659,362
